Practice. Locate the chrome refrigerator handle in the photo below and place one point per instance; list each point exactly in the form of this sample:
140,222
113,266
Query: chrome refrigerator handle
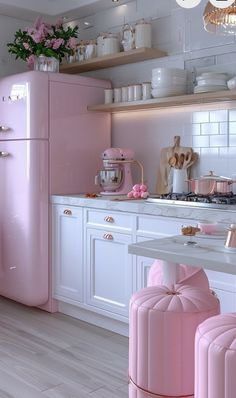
4,154
3,129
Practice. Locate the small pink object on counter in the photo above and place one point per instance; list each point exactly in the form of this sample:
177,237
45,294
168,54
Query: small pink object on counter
163,323
139,191
207,227
215,357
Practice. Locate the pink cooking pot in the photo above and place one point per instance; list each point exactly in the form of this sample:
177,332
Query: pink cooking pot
211,183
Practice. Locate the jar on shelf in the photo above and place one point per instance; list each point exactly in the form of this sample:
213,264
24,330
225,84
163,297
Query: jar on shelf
128,37
90,49
111,44
143,34
100,44
81,51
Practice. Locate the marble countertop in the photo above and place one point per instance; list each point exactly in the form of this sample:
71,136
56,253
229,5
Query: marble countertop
209,252
140,206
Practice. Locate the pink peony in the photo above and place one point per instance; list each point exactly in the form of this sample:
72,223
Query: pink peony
72,43
26,46
57,43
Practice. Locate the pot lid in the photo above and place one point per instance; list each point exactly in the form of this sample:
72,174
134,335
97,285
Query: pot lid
212,176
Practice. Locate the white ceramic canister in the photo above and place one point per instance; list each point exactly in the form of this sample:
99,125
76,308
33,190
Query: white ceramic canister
180,184
146,90
100,43
108,95
130,93
137,92
111,44
117,94
124,93
90,50
143,34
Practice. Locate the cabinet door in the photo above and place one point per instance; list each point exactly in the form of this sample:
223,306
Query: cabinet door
67,252
109,271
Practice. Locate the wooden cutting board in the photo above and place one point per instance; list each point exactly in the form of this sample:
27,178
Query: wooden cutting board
163,179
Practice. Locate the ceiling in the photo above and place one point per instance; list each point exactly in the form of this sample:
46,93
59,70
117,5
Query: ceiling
30,9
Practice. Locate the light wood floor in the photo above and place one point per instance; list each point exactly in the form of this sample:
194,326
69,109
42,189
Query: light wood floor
55,356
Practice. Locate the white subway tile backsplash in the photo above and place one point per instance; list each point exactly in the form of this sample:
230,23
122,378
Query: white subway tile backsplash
196,129
232,115
219,115
209,128
224,128
218,140
232,140
209,151
232,128
228,152
201,117
201,141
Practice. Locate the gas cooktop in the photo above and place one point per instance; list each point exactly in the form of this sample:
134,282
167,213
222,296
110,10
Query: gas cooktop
217,201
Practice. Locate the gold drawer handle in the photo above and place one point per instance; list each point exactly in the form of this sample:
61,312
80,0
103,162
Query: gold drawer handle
67,212
109,219
108,236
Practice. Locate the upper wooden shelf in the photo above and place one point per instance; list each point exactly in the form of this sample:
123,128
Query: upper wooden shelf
181,100
108,61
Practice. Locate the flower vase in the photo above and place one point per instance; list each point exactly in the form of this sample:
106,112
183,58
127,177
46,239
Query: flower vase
46,64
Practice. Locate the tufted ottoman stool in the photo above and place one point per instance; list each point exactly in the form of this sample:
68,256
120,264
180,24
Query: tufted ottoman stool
187,275
162,329
215,358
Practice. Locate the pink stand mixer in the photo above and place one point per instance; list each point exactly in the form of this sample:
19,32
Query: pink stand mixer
116,176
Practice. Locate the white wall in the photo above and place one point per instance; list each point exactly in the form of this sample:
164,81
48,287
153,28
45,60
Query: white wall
8,64
179,32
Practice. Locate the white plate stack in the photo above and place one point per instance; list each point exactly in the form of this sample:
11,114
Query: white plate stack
168,81
211,81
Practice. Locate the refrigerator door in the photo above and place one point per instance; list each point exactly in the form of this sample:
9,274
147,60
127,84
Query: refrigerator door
24,221
24,106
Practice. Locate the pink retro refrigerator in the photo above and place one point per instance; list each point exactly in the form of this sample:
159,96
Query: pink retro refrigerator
49,144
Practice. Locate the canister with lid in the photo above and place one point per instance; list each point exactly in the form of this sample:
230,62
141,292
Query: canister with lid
143,34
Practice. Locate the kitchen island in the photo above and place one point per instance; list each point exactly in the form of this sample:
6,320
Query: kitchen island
209,253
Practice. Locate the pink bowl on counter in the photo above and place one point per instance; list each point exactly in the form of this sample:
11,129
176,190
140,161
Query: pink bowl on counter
208,227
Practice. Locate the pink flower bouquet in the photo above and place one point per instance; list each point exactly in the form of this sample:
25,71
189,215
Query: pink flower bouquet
44,39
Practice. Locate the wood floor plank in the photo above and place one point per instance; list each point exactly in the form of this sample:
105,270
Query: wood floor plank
56,356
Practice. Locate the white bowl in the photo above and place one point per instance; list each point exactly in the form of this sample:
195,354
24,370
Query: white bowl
232,83
207,89
171,86
166,92
214,75
169,72
211,82
163,80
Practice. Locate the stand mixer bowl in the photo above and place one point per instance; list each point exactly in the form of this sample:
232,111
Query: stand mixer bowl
110,179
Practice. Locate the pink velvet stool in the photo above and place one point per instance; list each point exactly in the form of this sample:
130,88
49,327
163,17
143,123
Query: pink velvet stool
162,329
187,275
215,357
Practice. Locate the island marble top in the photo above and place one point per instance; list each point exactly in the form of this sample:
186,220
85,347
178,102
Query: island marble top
209,252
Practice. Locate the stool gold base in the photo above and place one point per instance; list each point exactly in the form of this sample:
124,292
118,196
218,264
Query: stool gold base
146,394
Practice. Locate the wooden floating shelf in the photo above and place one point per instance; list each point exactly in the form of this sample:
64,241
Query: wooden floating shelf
108,61
157,103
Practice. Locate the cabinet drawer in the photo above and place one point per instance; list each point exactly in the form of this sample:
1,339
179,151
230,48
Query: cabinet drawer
163,226
109,220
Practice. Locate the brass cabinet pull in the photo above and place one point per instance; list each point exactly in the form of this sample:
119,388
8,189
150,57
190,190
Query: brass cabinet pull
109,219
67,212
108,236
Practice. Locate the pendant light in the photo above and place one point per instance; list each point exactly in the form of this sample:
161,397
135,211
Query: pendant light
220,20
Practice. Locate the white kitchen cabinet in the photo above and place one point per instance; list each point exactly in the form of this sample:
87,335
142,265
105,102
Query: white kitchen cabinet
109,270
67,255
